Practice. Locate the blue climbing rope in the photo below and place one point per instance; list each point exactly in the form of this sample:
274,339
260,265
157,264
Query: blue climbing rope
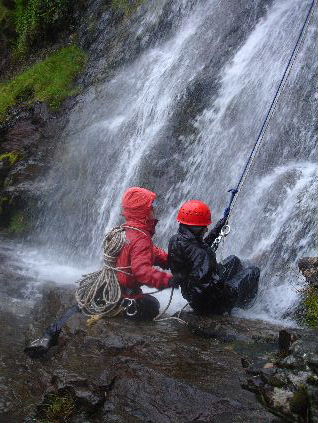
269,114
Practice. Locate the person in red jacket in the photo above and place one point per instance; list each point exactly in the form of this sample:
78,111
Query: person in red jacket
138,258
140,255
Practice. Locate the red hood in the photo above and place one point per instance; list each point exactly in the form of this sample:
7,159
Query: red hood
137,208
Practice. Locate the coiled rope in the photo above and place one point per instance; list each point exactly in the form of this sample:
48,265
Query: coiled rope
99,293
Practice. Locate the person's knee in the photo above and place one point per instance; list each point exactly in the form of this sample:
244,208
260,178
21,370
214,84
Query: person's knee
231,260
248,286
230,267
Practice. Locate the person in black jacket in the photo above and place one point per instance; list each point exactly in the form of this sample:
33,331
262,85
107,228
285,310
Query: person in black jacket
209,287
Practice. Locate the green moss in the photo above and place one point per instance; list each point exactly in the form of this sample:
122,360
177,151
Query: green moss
58,409
6,25
299,402
4,12
12,157
49,80
36,18
3,202
127,6
17,223
311,307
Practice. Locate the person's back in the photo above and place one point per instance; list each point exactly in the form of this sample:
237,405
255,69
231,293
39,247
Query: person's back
192,261
136,261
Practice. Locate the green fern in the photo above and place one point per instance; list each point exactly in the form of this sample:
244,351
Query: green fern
34,18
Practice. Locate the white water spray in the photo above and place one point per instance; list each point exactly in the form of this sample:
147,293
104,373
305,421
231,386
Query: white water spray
182,119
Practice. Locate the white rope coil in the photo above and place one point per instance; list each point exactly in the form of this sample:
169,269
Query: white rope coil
99,293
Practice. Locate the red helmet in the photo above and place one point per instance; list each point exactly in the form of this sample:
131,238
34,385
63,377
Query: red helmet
195,213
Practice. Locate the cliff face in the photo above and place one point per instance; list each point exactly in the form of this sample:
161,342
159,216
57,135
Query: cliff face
31,121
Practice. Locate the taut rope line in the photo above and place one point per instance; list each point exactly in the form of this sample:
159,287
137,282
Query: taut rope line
271,110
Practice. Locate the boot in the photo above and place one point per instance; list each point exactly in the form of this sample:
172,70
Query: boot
39,347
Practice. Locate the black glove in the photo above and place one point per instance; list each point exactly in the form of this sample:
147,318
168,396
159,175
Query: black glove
219,225
215,231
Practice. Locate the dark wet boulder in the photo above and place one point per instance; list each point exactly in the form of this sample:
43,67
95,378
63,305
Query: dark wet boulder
309,268
285,340
119,370
24,156
289,388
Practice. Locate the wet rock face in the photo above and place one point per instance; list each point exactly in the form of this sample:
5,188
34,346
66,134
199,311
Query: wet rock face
289,387
309,268
25,151
121,371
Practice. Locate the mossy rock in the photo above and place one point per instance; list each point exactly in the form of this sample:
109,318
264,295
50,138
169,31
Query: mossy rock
57,408
4,203
50,80
18,223
311,307
11,158
6,22
299,403
127,6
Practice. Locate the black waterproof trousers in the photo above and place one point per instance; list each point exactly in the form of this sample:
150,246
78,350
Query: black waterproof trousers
145,307
55,328
236,288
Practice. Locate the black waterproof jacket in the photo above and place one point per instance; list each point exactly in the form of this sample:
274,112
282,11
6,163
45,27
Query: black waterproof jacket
193,262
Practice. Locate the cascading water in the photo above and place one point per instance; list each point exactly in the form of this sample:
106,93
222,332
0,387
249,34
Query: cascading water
181,119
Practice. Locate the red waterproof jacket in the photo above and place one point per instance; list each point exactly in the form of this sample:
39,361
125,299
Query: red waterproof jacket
139,256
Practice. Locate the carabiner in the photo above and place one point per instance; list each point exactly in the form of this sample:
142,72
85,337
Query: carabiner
225,230
131,304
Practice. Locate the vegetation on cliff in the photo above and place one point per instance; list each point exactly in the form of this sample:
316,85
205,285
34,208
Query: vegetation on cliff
11,157
309,304
36,18
49,80
25,23
127,6
311,307
18,223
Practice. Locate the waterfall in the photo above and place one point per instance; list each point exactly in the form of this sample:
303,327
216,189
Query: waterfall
181,119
